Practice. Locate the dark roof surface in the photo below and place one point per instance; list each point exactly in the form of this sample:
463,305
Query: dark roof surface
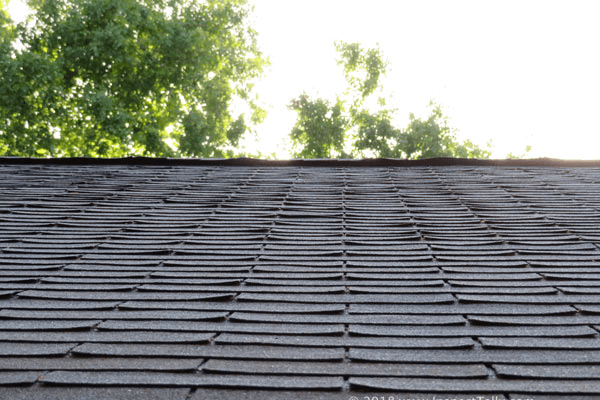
292,282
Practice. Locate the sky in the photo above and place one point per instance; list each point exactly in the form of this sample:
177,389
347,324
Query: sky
517,72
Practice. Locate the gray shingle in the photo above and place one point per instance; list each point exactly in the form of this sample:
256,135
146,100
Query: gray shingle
380,319
354,342
464,331
361,298
189,380
571,299
464,308
539,343
114,315
508,356
345,369
224,306
547,371
102,296
82,286
590,309
244,289
98,363
562,320
44,392
35,304
35,349
47,325
195,351
479,385
19,377
106,337
284,329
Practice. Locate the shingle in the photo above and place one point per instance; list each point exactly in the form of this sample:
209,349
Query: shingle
92,393
35,349
35,304
467,331
125,315
206,351
506,283
19,280
99,364
345,369
228,306
479,385
526,276
245,289
237,275
106,337
333,341
524,291
47,325
571,299
380,319
83,286
394,299
19,377
539,343
578,276
547,371
588,309
428,277
187,380
103,296
563,321
464,308
393,261
283,329
400,282
504,356
580,290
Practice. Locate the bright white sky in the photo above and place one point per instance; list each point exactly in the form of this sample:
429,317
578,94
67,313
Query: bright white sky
518,72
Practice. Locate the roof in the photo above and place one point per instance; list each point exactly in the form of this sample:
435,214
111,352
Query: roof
137,279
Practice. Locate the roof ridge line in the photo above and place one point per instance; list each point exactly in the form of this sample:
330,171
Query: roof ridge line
254,162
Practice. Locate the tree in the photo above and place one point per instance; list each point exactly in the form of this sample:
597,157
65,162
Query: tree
366,131
433,137
121,77
320,129
6,26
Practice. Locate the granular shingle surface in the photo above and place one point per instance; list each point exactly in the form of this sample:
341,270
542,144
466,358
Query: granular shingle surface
249,280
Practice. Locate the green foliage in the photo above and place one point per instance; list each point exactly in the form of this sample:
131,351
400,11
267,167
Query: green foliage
362,68
434,138
322,130
6,26
118,77
376,136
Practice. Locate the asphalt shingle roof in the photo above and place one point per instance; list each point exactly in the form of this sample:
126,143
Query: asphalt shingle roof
256,281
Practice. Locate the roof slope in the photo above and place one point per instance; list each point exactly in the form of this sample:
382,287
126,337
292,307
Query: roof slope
258,282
